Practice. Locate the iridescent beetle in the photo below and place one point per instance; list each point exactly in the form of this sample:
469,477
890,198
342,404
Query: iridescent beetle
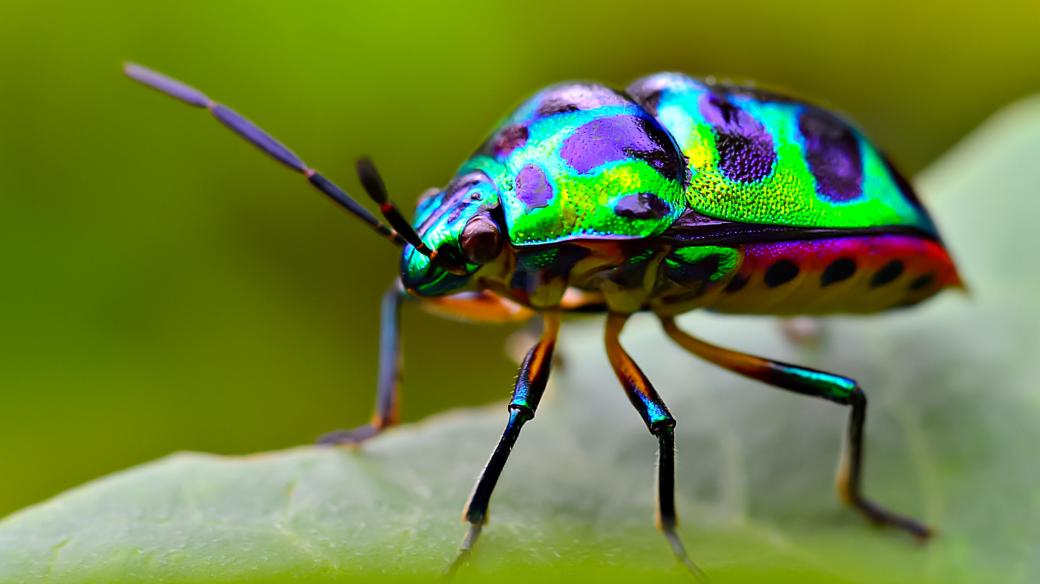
673,195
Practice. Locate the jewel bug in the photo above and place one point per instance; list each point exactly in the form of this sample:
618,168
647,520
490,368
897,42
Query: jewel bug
673,195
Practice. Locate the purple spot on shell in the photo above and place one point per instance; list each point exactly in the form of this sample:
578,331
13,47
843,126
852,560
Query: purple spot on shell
577,96
619,137
642,206
745,147
509,139
532,188
833,154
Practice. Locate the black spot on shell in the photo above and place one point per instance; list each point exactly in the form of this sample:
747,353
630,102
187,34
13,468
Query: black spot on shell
745,147
736,284
832,151
888,273
922,282
838,270
642,206
780,273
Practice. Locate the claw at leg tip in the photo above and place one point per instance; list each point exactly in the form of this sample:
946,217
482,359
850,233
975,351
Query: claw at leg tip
464,550
353,438
680,555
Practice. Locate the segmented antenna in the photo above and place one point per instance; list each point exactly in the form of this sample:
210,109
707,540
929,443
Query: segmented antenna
402,232
376,188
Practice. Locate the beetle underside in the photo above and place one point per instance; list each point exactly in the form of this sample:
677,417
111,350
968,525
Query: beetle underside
860,274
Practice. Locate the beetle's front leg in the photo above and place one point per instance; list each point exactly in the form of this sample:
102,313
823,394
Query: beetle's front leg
530,385
835,388
482,306
389,382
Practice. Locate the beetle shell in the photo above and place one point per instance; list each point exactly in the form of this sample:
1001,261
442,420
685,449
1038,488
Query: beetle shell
681,194
582,161
762,158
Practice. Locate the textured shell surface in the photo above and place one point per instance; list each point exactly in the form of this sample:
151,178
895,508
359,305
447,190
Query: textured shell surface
583,161
758,157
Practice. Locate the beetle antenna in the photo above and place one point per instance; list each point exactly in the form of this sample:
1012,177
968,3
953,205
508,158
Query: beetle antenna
376,188
262,140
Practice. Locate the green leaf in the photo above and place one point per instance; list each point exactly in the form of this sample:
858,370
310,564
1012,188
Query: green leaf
951,438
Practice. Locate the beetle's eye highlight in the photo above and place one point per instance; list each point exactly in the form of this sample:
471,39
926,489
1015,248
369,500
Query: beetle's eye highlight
481,240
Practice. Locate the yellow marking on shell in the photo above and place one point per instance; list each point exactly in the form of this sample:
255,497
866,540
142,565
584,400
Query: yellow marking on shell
702,153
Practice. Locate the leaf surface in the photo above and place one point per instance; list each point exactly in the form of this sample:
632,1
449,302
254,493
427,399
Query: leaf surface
952,434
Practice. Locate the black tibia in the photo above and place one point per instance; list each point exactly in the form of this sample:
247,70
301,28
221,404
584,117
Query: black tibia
835,388
530,385
388,386
660,423
850,472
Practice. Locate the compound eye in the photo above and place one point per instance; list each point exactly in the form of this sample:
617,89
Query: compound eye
481,239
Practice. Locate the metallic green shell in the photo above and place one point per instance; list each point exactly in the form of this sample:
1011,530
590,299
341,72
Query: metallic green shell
674,157
582,161
760,158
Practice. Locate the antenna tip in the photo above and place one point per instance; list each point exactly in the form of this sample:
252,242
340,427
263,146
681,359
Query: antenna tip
131,69
370,180
167,85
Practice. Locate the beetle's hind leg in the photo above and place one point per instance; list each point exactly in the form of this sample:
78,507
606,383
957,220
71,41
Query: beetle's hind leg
530,385
388,387
661,424
835,388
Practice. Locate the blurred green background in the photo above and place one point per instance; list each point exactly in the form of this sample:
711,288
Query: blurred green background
165,287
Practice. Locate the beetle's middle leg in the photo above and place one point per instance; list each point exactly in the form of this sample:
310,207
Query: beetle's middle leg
660,423
803,380
530,385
